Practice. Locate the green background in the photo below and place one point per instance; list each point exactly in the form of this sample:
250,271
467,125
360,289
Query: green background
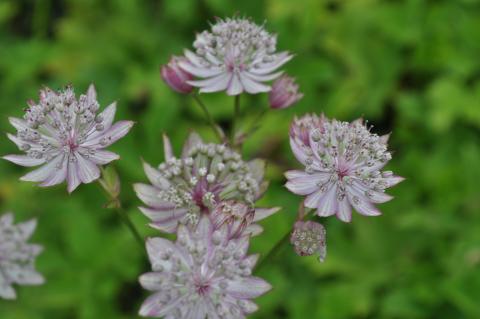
410,67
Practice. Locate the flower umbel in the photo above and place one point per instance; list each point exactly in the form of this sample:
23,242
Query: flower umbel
284,93
17,257
175,77
204,274
308,238
343,163
67,137
206,174
236,55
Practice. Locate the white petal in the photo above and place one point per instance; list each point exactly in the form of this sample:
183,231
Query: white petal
91,93
102,157
328,205
363,206
157,248
263,78
311,201
344,212
153,308
167,147
42,173
252,86
24,160
234,85
27,228
150,195
154,280
307,183
199,71
73,180
57,176
393,180
87,171
248,288
266,68
262,213
7,291
193,140
215,84
155,177
299,151
113,134
18,124
107,119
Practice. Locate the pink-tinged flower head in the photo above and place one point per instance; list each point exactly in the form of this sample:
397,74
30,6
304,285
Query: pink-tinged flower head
236,55
204,274
308,238
300,130
240,219
17,257
176,77
284,93
343,168
66,137
182,189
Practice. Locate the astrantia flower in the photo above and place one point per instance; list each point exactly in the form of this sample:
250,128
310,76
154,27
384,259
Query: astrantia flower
284,93
67,137
17,257
343,163
236,55
308,238
205,175
175,77
300,131
203,275
236,217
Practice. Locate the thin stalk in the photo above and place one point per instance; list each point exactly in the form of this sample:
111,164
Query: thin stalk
128,222
273,252
255,126
208,117
236,115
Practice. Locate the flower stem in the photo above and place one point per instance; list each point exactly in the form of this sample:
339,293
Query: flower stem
110,183
273,252
208,116
255,124
236,115
128,222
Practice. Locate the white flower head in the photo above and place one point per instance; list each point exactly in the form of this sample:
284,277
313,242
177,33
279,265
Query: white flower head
343,167
17,257
236,55
67,137
204,274
182,189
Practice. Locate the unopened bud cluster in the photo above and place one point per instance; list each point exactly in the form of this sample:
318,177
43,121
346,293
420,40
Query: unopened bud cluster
308,238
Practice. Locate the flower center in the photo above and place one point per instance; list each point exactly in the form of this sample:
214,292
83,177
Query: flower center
71,144
202,287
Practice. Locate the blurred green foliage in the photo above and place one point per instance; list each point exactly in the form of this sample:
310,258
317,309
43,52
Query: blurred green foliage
410,67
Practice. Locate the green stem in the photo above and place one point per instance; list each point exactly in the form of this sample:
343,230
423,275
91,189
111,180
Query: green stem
254,127
128,222
273,252
209,118
236,115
